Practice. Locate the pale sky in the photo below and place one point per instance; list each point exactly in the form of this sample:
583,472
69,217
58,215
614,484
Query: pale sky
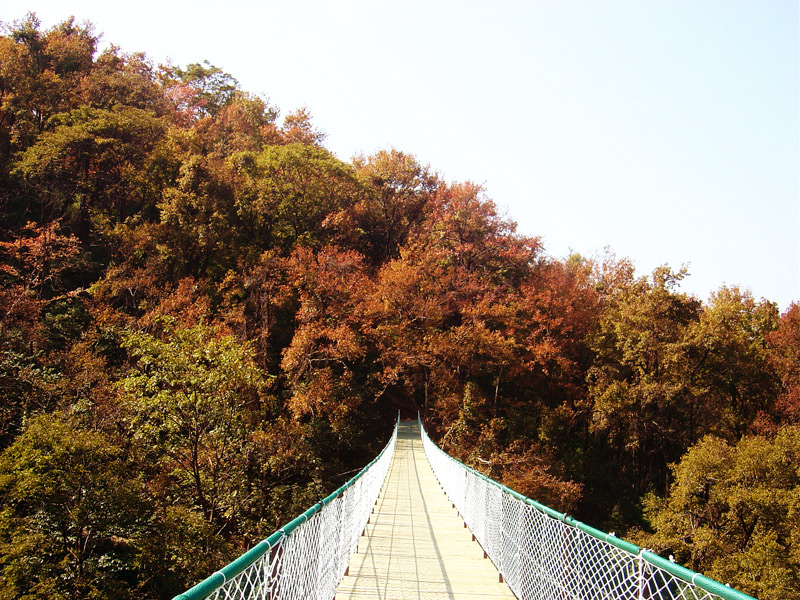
667,130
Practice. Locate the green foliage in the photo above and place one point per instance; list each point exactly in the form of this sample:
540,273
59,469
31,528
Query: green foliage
640,386
196,237
73,514
192,397
28,386
289,191
732,374
94,165
733,513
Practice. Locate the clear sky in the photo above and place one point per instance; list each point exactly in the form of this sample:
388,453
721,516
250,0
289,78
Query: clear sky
667,130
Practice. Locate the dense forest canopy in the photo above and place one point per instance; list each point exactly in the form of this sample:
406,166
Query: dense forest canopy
207,321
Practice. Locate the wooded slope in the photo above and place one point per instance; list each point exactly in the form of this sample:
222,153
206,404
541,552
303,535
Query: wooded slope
207,321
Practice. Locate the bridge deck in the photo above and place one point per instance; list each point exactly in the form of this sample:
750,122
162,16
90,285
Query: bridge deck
416,545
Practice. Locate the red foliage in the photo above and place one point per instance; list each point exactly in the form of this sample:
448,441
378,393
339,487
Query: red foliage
31,270
784,354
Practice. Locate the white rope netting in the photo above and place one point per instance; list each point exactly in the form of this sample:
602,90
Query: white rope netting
543,555
309,556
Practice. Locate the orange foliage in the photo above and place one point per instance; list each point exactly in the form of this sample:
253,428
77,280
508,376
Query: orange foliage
784,354
31,270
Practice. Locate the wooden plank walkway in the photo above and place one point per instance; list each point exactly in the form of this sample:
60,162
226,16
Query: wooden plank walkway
416,546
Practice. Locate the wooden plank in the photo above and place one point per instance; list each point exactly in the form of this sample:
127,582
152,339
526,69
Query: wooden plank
416,545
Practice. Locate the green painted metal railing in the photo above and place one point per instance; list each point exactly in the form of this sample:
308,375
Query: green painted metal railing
528,541
307,557
541,553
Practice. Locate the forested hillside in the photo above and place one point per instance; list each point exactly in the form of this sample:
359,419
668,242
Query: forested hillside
208,321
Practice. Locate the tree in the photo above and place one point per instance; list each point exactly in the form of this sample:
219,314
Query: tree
399,191
199,90
731,375
733,513
784,356
33,269
73,516
31,276
640,393
288,192
328,362
94,167
245,124
39,76
127,79
193,397
200,234
467,329
298,129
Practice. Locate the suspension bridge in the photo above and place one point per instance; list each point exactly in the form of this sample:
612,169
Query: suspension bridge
417,524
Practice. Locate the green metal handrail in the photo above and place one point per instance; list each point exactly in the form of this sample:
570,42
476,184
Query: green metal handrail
706,583
210,584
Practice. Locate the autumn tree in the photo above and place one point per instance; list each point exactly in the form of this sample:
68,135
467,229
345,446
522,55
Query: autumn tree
640,392
120,78
784,356
399,191
39,76
245,124
199,90
471,264
331,366
298,128
466,333
32,272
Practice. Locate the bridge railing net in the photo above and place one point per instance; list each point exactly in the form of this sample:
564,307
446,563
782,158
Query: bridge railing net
308,556
543,554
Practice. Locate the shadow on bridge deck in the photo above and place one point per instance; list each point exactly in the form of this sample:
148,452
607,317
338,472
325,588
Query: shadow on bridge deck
416,546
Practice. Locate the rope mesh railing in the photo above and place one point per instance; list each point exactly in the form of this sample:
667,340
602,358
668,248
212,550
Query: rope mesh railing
307,557
543,554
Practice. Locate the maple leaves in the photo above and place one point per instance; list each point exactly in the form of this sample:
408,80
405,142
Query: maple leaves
31,272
